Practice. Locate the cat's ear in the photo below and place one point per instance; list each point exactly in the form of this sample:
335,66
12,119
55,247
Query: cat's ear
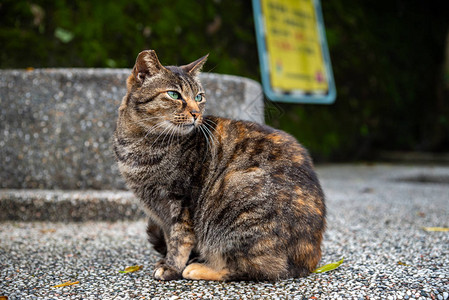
195,67
147,64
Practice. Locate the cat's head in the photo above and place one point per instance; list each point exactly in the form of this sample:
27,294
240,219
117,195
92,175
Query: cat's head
164,99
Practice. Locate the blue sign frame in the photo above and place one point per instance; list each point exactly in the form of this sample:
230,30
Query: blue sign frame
288,96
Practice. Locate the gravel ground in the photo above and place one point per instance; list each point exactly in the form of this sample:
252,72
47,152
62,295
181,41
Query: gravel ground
376,216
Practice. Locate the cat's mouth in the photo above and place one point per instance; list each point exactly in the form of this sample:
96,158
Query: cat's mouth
185,128
191,124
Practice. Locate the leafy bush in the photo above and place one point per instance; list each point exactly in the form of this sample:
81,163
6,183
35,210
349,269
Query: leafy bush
64,33
387,60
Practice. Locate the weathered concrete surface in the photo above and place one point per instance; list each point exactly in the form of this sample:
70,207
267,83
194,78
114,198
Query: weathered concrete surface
376,215
68,206
56,124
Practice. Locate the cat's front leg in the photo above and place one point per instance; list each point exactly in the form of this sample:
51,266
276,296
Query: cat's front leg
180,242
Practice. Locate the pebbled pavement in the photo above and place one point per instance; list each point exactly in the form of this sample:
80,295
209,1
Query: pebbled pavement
376,215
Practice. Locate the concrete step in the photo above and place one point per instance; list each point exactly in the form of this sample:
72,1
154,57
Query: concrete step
64,205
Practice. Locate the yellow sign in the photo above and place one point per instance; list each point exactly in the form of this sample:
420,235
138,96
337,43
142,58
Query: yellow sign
294,58
293,42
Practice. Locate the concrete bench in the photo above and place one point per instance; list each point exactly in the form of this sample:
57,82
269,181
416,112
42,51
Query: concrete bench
56,127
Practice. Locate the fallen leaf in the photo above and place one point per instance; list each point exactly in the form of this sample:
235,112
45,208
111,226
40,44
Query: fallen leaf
131,269
435,228
329,267
66,284
403,264
3,297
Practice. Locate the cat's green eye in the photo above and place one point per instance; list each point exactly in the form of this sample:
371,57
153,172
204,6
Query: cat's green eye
199,98
174,95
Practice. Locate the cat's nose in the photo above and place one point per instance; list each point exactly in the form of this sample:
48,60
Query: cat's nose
195,114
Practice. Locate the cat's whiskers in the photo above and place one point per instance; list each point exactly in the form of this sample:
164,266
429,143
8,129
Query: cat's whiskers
161,134
178,135
170,134
208,145
210,139
175,129
142,122
209,120
152,129
214,135
155,126
211,130
171,127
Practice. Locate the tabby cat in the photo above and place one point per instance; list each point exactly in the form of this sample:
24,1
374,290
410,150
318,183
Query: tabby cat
226,200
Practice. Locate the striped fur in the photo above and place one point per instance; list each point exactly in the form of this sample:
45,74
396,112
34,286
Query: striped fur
226,200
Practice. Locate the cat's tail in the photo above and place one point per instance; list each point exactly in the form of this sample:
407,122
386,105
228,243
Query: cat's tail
156,238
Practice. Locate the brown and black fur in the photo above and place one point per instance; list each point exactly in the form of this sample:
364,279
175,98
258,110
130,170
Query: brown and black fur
226,200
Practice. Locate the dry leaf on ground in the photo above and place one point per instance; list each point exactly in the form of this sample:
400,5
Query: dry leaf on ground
329,267
66,284
131,269
435,228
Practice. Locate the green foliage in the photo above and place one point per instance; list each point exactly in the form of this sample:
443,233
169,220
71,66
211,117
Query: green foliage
387,60
64,33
